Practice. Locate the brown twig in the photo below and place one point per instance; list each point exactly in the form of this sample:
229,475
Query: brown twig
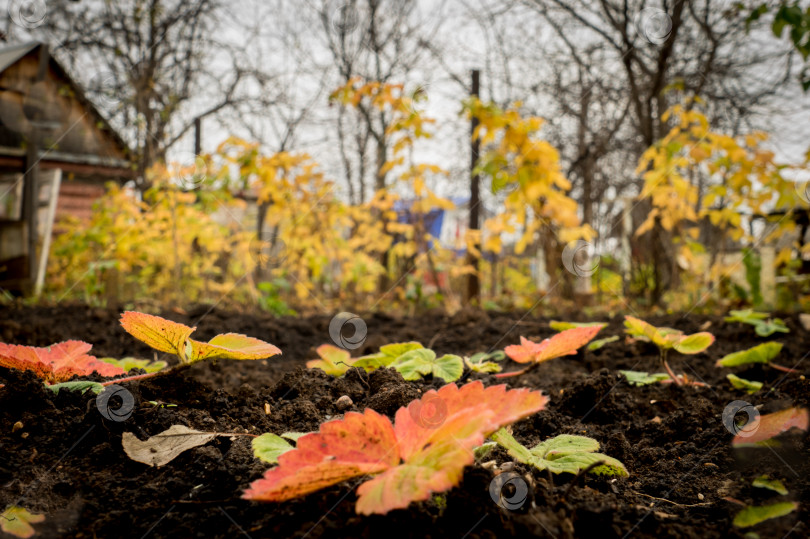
703,504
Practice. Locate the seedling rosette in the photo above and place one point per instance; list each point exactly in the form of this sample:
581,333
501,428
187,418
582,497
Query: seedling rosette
565,343
763,324
410,359
566,453
667,339
175,338
411,458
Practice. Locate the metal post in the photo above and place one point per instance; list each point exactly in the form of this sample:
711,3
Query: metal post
31,202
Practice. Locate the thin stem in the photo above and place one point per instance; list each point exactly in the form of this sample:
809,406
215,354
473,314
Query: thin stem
783,368
669,370
170,370
516,373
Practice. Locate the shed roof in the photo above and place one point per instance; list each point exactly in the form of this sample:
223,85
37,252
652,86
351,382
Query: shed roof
13,53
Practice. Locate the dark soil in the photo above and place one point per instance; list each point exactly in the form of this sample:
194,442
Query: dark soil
66,461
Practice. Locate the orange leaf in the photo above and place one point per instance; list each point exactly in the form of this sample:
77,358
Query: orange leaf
429,419
358,444
765,427
157,332
434,436
564,343
56,363
437,469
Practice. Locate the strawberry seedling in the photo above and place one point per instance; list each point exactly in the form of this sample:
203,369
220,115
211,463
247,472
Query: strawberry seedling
485,362
763,324
667,339
174,338
410,359
565,343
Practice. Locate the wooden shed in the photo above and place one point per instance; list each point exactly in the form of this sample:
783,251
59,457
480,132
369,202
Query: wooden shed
56,154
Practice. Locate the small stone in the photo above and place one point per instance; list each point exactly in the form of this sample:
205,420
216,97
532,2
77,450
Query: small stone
344,403
700,496
507,466
24,435
489,465
656,419
17,426
266,408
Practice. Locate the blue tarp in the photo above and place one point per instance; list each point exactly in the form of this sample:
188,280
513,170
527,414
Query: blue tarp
434,219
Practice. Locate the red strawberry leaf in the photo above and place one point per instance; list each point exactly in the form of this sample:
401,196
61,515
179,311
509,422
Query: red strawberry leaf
56,363
562,344
765,427
425,452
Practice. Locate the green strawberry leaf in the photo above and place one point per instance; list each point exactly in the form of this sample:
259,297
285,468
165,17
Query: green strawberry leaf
762,353
566,453
415,364
747,316
751,516
557,325
576,462
129,363
769,327
763,481
599,343
78,385
640,378
449,367
482,451
564,444
293,435
387,355
746,385
694,344
268,447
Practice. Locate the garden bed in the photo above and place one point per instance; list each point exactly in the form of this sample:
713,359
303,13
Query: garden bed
66,460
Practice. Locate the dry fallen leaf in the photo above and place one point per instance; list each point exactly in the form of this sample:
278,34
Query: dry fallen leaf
162,448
